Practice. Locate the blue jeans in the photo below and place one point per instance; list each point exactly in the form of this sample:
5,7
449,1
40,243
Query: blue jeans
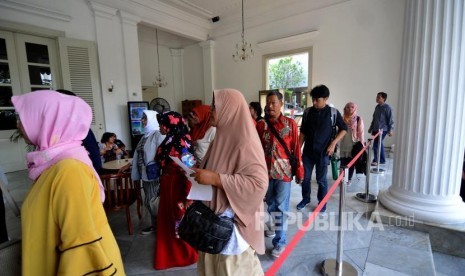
375,148
277,198
321,165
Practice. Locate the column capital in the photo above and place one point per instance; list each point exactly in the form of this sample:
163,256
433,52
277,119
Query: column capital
102,10
207,44
129,18
177,52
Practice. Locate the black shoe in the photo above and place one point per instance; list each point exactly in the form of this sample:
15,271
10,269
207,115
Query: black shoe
302,204
147,230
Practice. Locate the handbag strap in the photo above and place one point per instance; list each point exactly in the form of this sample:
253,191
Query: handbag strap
281,141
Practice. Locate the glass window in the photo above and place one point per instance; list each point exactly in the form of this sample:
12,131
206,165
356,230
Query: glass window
289,73
4,73
5,96
7,119
39,75
37,53
3,49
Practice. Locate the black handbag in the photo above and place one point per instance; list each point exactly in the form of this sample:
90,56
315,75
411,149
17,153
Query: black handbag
205,231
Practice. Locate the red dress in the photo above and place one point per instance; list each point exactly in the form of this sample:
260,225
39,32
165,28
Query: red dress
169,250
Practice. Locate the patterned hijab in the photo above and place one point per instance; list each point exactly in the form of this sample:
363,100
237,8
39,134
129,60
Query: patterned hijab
203,113
351,120
56,124
177,137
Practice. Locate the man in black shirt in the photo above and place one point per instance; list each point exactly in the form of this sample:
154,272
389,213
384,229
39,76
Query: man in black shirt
316,131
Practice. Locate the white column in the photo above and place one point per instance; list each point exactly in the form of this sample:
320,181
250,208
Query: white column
208,70
178,78
131,55
430,136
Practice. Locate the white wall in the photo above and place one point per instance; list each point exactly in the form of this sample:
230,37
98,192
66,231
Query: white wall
356,54
193,73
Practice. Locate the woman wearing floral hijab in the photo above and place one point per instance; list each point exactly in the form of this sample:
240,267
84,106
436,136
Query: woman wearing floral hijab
64,227
354,134
143,155
235,166
170,250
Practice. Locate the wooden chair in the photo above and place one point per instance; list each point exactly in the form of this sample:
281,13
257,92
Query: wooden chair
120,193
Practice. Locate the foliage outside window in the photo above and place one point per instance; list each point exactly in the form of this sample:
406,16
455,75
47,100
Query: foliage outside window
289,74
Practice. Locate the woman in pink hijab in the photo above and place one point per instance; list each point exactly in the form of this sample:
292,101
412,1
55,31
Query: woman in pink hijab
355,130
235,166
64,227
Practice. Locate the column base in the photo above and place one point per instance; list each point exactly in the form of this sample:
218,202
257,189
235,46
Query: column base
438,210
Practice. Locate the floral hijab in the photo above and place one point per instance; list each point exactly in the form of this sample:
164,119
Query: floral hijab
177,137
353,122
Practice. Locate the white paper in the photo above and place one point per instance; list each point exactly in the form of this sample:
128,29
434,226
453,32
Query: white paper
198,191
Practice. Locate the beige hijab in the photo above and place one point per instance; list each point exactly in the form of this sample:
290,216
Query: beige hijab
237,155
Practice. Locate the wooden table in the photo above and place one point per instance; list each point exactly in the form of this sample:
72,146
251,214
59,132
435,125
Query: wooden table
116,164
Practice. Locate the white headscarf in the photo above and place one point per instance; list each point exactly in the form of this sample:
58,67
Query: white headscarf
152,123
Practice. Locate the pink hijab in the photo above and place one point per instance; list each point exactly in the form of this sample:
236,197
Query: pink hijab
56,124
237,155
351,121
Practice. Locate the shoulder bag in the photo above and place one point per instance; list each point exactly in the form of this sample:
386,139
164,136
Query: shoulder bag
292,158
202,229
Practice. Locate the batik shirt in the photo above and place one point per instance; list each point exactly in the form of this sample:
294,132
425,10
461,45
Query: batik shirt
276,158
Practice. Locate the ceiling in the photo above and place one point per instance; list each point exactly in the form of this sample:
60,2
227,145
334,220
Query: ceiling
221,8
256,12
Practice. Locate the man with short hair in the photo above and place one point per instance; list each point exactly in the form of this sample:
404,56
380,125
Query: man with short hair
279,137
318,127
382,119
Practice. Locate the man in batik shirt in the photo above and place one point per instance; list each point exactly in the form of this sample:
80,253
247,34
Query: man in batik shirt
280,172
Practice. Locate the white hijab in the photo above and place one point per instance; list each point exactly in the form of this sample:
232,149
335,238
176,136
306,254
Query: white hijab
152,122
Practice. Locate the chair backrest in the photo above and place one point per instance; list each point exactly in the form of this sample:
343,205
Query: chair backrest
10,258
120,191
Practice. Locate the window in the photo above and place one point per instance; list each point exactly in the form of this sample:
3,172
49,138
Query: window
290,73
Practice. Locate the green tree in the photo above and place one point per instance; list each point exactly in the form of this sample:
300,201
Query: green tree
285,74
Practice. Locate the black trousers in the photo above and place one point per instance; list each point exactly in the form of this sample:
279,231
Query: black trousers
3,232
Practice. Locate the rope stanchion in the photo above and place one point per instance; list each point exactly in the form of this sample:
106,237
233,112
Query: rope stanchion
298,236
378,170
327,266
366,196
336,266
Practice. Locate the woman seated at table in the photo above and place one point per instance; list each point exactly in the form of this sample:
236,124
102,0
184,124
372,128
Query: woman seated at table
109,151
122,147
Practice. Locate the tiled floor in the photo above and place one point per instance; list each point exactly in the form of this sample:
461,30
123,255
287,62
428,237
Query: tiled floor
372,249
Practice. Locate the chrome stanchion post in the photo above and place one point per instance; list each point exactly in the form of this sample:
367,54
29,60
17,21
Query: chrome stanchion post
338,266
377,170
366,196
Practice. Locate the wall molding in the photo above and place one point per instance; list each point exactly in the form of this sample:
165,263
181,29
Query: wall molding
289,40
35,10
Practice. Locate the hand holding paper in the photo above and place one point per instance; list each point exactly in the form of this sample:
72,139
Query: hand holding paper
198,191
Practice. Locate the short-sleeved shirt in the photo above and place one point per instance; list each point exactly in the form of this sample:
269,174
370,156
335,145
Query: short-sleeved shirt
317,127
277,160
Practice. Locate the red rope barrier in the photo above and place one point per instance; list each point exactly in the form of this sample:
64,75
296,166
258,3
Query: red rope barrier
290,247
298,236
